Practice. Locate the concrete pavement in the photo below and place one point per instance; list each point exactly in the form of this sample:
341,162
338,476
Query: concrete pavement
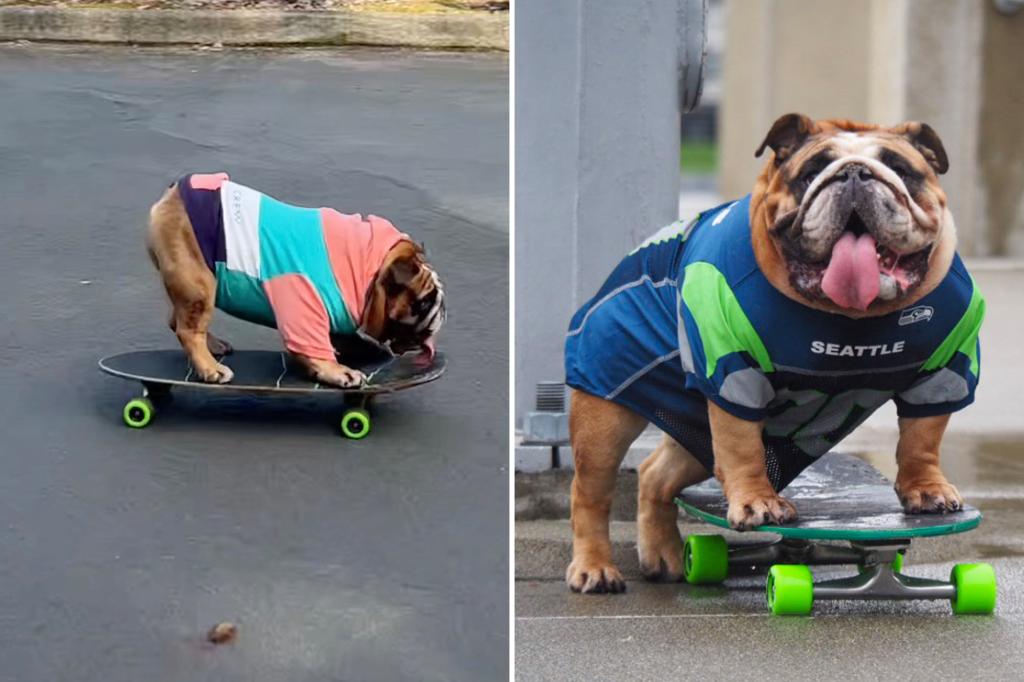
661,631
378,559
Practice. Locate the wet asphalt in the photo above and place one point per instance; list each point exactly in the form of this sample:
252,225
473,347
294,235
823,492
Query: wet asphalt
379,559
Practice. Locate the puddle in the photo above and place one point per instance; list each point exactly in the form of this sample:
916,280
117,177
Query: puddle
981,465
996,551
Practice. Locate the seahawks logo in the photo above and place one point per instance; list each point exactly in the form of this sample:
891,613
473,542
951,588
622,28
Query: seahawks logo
921,313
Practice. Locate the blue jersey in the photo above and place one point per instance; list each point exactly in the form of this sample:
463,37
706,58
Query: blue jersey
688,317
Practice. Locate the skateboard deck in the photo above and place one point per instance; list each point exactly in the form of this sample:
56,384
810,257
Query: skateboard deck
266,372
839,497
258,371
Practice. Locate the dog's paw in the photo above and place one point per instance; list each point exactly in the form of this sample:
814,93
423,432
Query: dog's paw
218,374
662,563
594,577
341,376
749,511
929,497
660,552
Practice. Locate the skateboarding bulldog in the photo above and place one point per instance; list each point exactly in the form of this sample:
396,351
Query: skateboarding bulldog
319,276
761,333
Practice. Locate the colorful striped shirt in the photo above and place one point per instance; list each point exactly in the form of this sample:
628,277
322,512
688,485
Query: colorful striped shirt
304,271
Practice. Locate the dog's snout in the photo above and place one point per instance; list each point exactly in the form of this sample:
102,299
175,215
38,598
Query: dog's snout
854,172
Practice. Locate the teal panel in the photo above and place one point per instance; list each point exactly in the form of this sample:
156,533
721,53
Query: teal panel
292,242
242,295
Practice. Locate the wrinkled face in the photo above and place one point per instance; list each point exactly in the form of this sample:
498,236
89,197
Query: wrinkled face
415,307
854,210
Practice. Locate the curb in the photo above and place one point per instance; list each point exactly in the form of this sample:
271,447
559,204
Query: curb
476,31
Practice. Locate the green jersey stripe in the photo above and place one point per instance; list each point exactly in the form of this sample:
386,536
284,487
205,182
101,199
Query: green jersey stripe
963,337
723,326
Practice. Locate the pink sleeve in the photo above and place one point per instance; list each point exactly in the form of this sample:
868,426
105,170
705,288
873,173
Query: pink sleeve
301,316
208,180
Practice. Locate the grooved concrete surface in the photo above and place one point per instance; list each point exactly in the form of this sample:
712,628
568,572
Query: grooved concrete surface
379,559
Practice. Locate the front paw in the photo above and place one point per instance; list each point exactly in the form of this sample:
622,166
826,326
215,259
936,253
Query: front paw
747,511
216,374
929,497
341,376
594,577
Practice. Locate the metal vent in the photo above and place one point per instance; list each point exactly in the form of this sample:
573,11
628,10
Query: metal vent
550,396
549,423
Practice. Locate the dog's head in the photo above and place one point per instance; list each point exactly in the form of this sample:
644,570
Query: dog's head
405,305
852,214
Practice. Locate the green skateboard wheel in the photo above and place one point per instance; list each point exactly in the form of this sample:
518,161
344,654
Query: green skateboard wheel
790,590
355,423
705,559
975,589
138,412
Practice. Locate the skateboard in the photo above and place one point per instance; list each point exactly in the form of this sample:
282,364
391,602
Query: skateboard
266,372
839,499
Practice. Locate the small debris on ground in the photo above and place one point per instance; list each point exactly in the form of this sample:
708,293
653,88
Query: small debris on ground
222,633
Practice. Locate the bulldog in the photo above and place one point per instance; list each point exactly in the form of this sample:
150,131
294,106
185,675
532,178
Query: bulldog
761,333
319,276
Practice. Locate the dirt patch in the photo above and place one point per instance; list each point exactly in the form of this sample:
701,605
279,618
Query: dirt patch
399,6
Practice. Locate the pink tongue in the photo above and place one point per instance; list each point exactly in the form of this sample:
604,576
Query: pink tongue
851,278
428,348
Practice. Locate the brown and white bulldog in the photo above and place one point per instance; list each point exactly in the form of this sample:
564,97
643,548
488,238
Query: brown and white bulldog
325,277
845,218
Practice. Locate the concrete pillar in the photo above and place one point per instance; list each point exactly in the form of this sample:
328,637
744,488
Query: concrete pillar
1001,127
782,56
943,88
597,112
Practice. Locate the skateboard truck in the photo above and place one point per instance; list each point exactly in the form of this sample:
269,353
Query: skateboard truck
791,590
849,516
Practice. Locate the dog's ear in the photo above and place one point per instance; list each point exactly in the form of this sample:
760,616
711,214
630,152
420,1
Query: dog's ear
925,140
404,270
375,312
787,134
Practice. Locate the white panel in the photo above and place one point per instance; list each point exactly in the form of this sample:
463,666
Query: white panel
241,208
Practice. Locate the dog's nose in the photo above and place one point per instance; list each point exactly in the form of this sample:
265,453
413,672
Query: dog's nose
855,171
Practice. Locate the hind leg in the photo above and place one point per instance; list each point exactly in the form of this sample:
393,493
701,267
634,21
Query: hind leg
190,285
665,472
601,433
193,310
